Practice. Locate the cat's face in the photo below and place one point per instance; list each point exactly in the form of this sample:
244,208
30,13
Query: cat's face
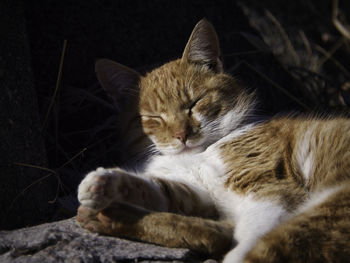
186,107
186,104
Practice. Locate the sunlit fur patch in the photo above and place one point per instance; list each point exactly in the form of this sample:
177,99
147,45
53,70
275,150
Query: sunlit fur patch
184,97
305,154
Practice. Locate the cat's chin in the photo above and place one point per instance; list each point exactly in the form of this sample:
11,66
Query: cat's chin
196,149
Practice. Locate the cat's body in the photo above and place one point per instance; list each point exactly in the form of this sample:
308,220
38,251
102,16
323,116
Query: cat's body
282,186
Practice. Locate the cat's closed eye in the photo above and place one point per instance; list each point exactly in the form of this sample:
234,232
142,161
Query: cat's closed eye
192,105
157,117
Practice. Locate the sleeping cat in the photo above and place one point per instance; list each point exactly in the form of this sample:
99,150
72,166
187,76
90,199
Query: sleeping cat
270,191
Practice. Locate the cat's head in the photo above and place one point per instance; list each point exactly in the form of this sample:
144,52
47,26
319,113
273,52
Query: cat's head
186,104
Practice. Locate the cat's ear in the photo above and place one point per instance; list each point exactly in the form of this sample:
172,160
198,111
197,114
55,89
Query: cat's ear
119,81
203,47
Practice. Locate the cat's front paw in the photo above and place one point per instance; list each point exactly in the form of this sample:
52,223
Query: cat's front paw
89,219
116,220
100,188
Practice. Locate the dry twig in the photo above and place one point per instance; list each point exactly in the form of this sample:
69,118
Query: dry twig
343,29
285,37
58,82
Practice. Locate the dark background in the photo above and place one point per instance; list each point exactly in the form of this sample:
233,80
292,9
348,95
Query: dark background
80,134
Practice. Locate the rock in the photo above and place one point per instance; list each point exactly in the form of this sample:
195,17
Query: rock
64,241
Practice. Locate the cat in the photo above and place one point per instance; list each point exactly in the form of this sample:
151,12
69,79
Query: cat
276,190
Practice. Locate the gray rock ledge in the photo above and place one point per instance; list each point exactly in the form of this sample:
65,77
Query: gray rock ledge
64,241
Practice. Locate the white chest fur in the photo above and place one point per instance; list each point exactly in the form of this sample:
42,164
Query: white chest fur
205,172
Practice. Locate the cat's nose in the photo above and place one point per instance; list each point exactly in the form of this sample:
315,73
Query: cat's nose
181,136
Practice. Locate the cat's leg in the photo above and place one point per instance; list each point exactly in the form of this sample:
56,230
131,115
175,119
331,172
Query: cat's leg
172,230
103,187
254,219
118,203
319,234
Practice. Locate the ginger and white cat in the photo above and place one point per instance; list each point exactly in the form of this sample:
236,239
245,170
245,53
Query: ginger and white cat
272,191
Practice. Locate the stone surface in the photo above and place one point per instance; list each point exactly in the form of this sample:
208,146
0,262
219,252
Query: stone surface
64,241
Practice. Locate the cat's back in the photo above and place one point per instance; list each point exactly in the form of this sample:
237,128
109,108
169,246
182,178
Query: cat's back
281,154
